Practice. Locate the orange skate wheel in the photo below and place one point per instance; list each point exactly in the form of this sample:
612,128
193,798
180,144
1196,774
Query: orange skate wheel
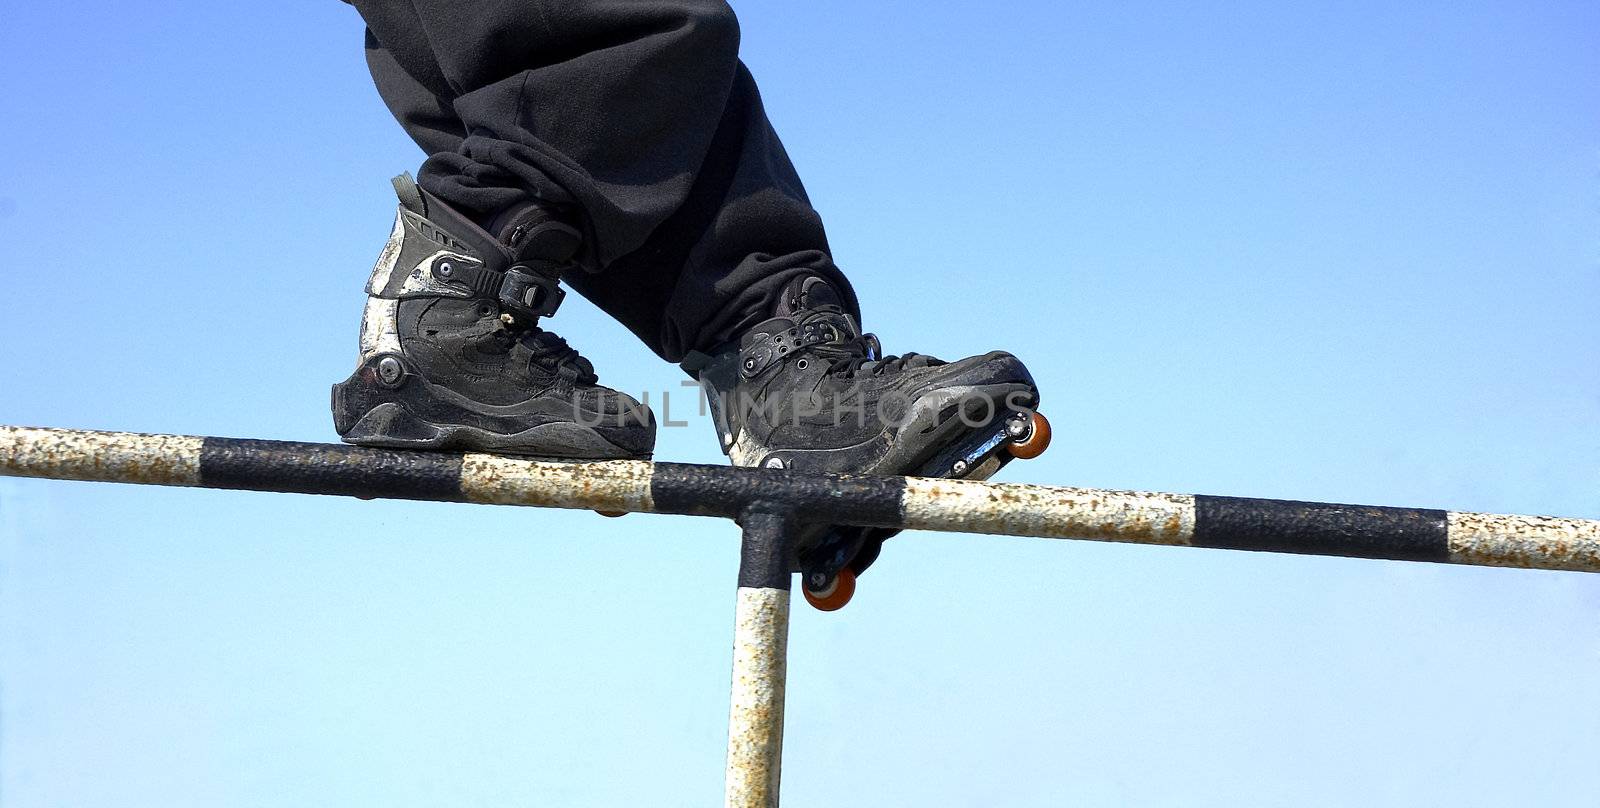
1035,441
836,595
612,514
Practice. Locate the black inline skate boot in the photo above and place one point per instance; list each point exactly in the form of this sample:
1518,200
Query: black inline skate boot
807,391
452,356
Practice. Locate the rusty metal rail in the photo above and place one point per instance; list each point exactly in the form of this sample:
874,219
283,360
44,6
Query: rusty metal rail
771,505
1409,534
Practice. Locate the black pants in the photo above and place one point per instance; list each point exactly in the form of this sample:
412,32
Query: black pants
639,113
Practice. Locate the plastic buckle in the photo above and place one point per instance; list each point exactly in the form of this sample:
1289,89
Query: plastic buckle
530,294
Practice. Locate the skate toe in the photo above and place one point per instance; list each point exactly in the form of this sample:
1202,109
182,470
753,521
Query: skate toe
993,368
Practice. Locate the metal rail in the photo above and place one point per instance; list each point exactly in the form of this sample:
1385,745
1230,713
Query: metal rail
771,504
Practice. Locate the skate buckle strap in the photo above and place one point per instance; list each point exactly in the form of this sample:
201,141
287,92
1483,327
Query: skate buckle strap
526,293
521,291
765,348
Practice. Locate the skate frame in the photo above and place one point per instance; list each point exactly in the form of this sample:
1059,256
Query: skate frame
771,506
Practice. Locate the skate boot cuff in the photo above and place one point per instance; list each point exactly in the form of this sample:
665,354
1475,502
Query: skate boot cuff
536,234
807,293
526,289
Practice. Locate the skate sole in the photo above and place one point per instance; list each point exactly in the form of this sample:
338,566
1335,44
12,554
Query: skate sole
391,426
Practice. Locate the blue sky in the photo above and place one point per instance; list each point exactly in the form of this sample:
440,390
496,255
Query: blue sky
1342,252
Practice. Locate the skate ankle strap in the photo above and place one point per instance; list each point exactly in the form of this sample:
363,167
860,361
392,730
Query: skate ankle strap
773,341
522,291
529,294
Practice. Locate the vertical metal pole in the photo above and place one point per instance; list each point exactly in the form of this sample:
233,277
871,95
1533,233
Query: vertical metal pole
760,659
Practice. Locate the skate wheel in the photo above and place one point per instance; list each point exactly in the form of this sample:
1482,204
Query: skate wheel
836,595
612,514
1035,441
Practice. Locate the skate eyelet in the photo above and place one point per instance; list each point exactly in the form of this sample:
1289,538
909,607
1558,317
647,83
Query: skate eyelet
484,310
802,364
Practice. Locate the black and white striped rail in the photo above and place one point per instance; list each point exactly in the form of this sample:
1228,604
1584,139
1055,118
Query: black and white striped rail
1410,534
770,504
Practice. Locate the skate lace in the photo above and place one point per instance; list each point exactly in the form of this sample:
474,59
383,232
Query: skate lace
556,353
847,359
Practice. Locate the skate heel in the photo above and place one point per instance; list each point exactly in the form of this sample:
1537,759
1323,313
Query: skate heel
391,426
